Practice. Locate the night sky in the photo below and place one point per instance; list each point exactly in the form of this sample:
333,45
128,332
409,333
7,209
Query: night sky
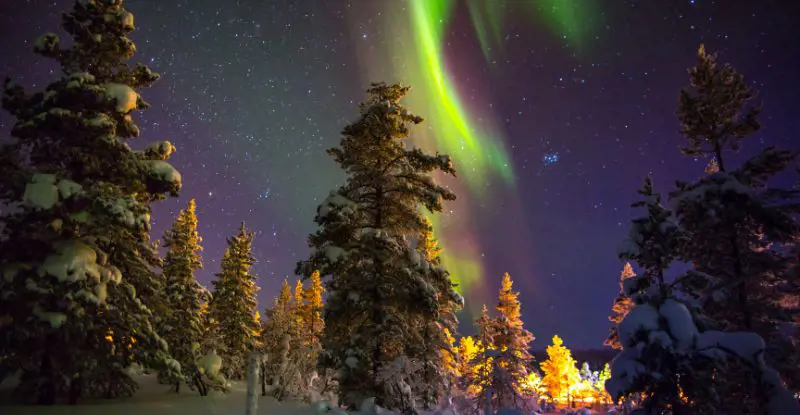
553,117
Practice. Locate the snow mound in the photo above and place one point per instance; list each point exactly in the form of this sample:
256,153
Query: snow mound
124,96
165,172
210,364
76,261
41,192
641,318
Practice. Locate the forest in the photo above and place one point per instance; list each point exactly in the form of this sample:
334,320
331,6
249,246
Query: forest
91,301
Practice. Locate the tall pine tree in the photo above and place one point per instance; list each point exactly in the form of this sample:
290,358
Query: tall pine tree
622,304
183,323
77,251
737,218
234,304
378,286
670,358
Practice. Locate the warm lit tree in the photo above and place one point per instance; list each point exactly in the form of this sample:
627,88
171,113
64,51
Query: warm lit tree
481,378
381,295
622,304
468,349
76,255
600,385
314,306
183,324
560,371
427,244
512,342
299,309
234,304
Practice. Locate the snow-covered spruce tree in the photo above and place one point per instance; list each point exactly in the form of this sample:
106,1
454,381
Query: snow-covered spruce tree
234,303
512,342
77,251
378,286
183,323
293,354
669,357
738,220
622,304
277,338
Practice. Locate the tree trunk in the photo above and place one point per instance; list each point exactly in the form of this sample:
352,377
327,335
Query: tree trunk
47,387
75,389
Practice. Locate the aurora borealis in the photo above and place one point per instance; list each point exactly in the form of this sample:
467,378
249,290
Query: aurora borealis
553,111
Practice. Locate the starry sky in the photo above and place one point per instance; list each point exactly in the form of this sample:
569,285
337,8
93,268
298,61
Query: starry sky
553,110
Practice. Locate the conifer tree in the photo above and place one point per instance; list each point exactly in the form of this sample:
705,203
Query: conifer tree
277,334
512,342
468,349
737,219
481,379
560,371
622,304
670,357
234,304
314,307
77,251
299,309
183,323
378,287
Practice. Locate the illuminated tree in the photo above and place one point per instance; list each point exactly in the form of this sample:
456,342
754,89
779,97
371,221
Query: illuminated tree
512,343
76,257
481,378
299,309
234,304
560,371
600,385
183,323
427,245
468,350
381,295
314,306
622,304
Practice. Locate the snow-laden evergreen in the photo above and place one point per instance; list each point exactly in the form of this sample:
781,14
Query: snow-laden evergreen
183,323
77,251
669,356
739,222
382,295
233,309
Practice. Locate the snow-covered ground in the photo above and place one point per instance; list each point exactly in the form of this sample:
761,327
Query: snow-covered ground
155,399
